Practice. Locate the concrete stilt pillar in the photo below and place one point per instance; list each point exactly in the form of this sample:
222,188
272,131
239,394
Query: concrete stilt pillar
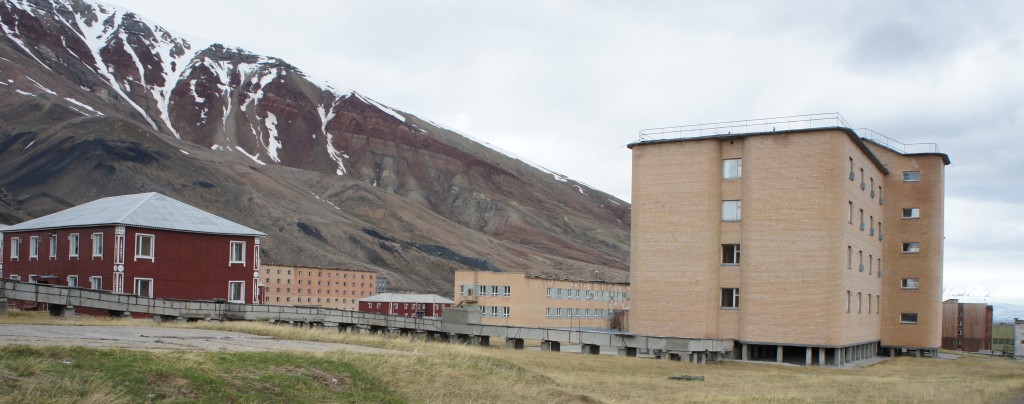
838,357
553,346
516,343
917,353
821,356
590,349
778,353
627,351
746,351
810,355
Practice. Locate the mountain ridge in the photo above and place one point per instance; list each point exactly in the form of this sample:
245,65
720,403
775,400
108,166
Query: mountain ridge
96,101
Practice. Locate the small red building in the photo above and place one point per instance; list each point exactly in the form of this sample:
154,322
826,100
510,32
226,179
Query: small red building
144,244
406,305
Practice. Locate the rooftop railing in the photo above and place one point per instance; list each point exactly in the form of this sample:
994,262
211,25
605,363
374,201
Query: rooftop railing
783,123
810,121
896,145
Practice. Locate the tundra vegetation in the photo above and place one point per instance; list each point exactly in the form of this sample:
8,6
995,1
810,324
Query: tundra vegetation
421,371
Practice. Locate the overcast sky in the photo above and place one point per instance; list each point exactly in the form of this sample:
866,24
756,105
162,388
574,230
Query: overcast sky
567,84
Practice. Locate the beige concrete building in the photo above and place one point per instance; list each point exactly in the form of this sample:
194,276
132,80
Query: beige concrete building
326,287
513,298
810,245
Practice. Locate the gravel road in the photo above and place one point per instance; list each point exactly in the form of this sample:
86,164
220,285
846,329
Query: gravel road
161,339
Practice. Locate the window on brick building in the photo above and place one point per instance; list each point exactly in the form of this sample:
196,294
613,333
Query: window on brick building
908,318
731,211
732,168
73,245
97,245
15,248
144,287
144,246
53,246
95,282
849,297
237,252
911,248
860,303
911,213
911,176
730,298
731,254
850,216
73,281
909,283
33,247
849,257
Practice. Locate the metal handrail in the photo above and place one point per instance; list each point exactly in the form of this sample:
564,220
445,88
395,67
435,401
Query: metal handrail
783,123
896,145
808,121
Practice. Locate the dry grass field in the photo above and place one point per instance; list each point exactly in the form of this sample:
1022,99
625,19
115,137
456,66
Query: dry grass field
436,372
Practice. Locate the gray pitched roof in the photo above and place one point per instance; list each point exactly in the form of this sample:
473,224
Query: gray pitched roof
150,210
406,298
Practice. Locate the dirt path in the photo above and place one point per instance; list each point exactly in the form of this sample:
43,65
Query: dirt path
161,339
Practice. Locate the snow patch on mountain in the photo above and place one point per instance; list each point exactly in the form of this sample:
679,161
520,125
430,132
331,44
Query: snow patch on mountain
254,157
12,34
326,115
41,87
273,144
97,35
380,106
80,104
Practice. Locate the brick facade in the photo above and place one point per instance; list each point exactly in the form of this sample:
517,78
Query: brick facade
325,287
809,274
512,298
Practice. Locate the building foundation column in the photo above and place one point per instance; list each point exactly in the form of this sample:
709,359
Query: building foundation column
821,357
514,343
778,353
810,356
553,346
627,351
746,351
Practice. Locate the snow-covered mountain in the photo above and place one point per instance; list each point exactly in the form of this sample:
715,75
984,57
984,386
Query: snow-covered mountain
97,101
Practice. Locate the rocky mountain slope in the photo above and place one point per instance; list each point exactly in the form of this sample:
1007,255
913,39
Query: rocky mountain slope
96,101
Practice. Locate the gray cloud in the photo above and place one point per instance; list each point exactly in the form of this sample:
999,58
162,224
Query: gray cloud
568,84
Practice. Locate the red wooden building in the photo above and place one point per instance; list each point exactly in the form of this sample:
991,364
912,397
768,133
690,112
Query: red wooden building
144,244
406,305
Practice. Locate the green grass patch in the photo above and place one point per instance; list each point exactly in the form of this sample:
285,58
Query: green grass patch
58,374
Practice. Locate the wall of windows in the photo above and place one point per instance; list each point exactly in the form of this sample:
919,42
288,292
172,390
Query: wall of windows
582,294
564,312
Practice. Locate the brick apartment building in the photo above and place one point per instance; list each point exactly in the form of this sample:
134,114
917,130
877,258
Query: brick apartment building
811,245
966,326
405,305
144,244
326,287
512,298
